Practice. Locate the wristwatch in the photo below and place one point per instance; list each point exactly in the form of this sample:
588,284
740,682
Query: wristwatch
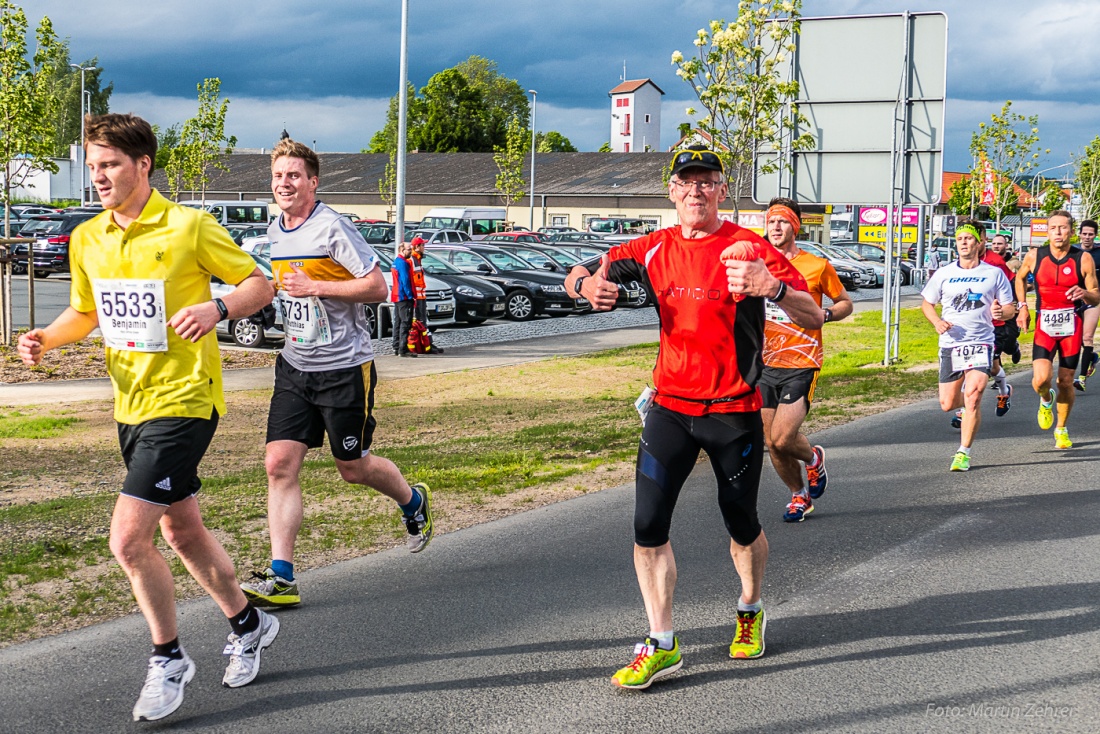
828,315
577,285
223,312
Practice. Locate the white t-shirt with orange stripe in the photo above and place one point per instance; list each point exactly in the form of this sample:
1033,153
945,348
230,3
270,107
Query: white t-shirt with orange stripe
326,247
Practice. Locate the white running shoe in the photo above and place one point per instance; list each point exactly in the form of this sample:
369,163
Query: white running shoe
244,651
163,690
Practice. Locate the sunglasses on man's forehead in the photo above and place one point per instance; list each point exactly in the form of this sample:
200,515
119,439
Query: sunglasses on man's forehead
704,156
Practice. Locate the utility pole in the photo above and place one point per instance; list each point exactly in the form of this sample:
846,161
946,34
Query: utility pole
534,99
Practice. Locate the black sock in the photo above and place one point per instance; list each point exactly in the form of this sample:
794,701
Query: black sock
1086,359
245,621
170,650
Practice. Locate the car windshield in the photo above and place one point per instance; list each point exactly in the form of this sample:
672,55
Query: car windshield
561,257
536,258
815,250
435,266
846,252
44,226
468,262
507,261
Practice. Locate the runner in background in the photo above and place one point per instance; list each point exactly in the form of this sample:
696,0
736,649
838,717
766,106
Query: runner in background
1087,236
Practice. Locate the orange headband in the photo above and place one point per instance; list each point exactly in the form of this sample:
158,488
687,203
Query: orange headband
778,210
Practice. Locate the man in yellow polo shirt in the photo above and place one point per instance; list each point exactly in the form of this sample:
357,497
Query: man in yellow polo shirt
141,273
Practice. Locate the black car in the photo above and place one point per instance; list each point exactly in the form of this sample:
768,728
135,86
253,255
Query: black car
559,260
476,299
529,291
381,233
876,252
574,238
51,248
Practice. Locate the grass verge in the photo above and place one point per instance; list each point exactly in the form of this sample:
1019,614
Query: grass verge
489,442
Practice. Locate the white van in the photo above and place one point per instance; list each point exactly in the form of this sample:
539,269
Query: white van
474,221
233,212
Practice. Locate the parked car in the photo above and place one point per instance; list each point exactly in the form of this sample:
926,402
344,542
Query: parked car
51,248
515,236
441,302
529,291
556,230
574,237
382,233
257,329
555,260
438,236
33,210
878,268
852,274
476,299
240,232
877,253
944,245
618,226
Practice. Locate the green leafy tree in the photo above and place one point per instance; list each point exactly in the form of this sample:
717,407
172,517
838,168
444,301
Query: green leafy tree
605,148
167,141
553,142
504,98
27,108
64,82
1010,142
201,142
1051,197
739,77
387,185
455,117
509,159
479,124
962,198
1086,172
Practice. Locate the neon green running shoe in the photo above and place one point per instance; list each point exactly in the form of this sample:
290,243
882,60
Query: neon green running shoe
650,663
420,526
1061,439
961,462
1046,413
270,590
749,642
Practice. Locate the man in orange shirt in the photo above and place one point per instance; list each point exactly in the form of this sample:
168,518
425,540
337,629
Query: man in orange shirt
792,360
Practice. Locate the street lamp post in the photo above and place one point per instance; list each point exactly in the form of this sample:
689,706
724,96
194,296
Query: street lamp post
82,166
534,99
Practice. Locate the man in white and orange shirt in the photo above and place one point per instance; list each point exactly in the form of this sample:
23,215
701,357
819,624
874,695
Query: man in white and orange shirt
792,361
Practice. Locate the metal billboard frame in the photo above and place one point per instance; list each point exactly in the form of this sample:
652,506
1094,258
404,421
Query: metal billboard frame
876,111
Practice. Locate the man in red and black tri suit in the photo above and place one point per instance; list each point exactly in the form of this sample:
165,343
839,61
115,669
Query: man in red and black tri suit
1065,280
711,279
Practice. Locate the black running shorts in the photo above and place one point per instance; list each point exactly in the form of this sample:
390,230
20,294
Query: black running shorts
670,446
307,405
1005,339
162,457
779,385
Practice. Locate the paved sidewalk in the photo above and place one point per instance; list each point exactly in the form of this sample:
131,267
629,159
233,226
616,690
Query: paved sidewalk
389,367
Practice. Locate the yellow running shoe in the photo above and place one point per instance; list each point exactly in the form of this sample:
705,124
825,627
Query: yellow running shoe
1046,413
1061,439
650,663
749,642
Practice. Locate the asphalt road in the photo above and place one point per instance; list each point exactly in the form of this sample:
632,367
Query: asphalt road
913,599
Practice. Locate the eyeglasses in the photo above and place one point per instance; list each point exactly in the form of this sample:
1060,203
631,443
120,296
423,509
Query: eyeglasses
704,186
706,156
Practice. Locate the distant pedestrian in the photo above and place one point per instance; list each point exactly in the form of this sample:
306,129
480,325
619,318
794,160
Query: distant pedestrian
403,295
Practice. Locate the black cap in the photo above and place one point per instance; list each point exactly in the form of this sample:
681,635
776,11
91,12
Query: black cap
696,156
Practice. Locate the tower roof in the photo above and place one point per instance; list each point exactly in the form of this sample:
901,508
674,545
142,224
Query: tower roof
633,85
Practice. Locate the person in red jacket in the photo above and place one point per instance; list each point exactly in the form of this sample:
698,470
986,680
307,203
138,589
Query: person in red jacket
403,295
420,287
711,279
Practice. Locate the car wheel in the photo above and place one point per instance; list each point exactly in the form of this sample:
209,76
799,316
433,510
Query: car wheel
18,269
43,274
372,322
520,306
643,297
246,333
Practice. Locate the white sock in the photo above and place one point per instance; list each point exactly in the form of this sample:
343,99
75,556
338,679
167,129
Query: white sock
664,640
964,450
999,381
744,606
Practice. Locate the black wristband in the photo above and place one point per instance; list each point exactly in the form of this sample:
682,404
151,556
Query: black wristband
828,315
577,284
223,312
780,293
